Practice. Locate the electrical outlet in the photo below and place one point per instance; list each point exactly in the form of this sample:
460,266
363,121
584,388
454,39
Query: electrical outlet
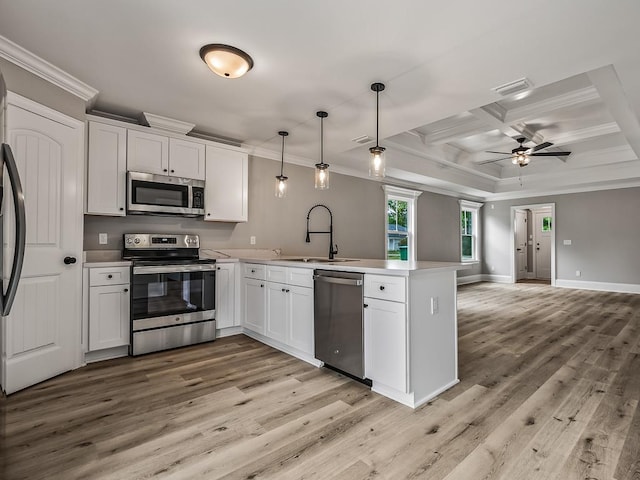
252,240
103,238
578,273
434,305
566,242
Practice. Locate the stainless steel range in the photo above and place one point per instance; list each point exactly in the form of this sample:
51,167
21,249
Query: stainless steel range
172,292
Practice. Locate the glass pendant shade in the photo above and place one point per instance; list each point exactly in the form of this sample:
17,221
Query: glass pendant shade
281,180
377,162
322,176
225,60
281,186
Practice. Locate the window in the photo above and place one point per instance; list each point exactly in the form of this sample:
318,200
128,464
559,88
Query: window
469,231
546,224
400,221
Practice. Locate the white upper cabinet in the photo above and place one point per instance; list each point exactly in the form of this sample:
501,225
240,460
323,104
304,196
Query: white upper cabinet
226,185
107,170
147,152
186,159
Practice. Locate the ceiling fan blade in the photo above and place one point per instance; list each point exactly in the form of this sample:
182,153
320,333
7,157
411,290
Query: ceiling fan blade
550,154
541,146
494,160
499,153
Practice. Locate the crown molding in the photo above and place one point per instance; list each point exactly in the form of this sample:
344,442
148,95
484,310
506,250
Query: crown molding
30,62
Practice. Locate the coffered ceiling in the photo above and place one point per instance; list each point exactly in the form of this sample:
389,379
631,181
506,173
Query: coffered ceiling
440,62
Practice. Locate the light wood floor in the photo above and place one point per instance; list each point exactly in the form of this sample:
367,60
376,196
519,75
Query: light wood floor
550,384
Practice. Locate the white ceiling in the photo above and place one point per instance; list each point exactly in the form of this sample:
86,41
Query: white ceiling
439,61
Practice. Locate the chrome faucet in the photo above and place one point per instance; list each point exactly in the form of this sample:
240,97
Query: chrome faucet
333,249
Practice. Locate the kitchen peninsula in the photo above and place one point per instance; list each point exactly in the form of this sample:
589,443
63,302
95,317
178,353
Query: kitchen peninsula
410,320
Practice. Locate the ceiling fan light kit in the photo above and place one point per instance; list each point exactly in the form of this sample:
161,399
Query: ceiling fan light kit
521,155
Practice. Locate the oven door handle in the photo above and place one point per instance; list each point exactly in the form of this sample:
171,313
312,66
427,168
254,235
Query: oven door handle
148,269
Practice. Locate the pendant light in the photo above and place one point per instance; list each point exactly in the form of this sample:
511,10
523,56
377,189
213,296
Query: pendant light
377,162
322,169
281,180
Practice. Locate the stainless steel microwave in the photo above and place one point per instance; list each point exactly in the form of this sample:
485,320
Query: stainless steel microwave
162,195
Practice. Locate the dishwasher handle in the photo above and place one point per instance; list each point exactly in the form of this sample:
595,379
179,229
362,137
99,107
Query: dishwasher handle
338,280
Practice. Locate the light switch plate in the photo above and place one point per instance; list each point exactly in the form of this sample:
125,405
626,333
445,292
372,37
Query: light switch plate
566,242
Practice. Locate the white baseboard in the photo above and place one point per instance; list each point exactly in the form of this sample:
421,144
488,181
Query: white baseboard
227,332
467,279
599,286
282,347
484,277
106,354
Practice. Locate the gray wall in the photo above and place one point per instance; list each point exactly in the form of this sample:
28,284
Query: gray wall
358,210
357,206
35,88
602,226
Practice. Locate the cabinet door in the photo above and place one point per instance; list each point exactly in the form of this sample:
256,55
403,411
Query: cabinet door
186,159
226,188
108,316
107,170
300,301
386,343
147,152
255,305
277,311
225,295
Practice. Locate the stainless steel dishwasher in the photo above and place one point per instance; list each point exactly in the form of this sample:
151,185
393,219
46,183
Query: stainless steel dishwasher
338,320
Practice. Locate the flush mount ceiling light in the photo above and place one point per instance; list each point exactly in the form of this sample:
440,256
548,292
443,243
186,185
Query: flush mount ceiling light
376,162
281,180
322,169
225,60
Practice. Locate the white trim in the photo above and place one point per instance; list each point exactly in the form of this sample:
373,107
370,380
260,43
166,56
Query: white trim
294,352
168,124
470,204
401,192
474,208
41,68
25,103
411,197
599,286
467,279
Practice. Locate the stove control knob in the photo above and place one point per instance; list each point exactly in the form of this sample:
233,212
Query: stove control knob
129,241
136,241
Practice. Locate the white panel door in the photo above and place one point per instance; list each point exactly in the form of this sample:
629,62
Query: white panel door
41,336
542,237
186,159
225,295
109,324
255,305
521,244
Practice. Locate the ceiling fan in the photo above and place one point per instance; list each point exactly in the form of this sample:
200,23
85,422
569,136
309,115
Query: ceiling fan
521,155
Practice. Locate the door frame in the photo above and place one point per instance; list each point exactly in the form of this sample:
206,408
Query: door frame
514,266
535,236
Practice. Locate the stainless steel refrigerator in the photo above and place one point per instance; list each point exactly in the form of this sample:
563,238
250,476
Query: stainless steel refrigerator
8,166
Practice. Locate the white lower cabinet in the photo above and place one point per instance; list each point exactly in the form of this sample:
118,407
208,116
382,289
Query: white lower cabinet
300,322
278,311
109,323
386,343
287,298
255,304
225,295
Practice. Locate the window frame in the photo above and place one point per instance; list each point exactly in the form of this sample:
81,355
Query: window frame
411,197
474,209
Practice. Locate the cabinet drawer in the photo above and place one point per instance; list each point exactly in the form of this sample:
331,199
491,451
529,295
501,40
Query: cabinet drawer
108,276
385,287
254,270
302,277
277,274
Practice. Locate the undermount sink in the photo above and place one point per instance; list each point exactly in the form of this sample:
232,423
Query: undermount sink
316,260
